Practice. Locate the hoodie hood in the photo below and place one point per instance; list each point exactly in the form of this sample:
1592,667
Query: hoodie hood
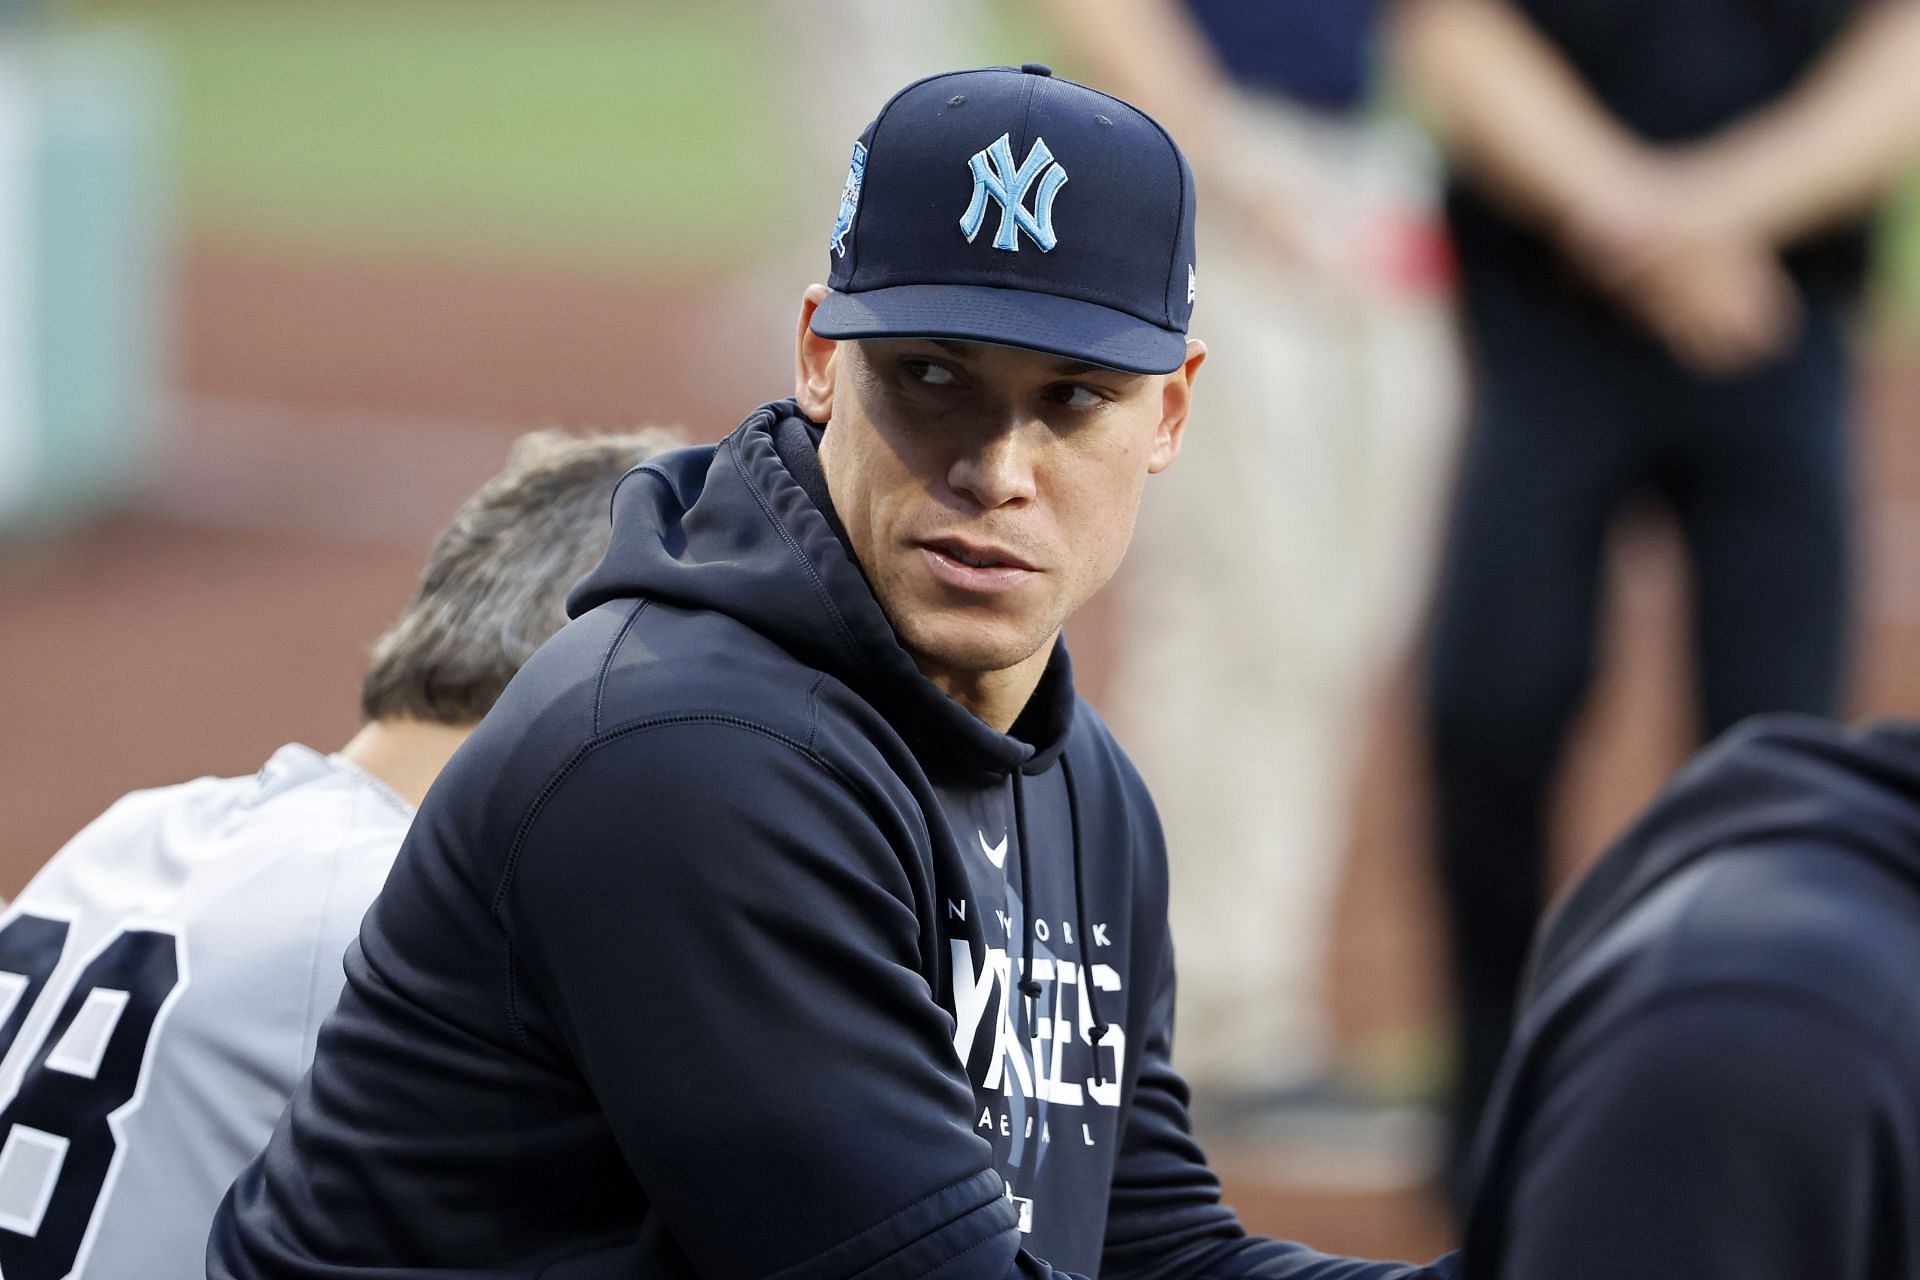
690,528
1774,778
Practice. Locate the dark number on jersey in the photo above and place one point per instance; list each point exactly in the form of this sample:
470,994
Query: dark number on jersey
56,1145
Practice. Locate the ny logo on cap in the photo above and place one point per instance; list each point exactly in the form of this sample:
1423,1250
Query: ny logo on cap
994,175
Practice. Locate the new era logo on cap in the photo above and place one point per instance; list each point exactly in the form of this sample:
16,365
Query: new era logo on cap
961,172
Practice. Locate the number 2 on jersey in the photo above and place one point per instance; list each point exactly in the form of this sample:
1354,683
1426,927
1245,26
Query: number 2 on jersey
58,1145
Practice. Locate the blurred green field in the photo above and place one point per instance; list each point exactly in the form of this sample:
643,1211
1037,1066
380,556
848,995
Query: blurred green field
604,128
1899,258
588,128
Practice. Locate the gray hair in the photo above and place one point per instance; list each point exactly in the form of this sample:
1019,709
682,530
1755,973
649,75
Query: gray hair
495,587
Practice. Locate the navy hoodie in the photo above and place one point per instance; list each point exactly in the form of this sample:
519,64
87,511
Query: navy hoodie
1716,1073
730,947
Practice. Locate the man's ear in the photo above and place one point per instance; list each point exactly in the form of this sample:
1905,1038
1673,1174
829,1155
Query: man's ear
1176,404
814,367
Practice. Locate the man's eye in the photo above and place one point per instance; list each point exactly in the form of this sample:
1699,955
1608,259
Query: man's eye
1076,395
927,373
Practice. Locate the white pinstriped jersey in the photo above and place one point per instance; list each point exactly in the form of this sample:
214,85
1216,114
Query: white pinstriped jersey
162,980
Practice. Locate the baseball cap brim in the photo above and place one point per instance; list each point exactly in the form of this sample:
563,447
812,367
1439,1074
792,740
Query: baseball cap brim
1005,317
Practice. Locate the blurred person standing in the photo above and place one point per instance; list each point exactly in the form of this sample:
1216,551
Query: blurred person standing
164,975
1277,574
1657,216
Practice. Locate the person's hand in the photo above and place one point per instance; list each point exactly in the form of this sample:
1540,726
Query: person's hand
1720,309
1671,257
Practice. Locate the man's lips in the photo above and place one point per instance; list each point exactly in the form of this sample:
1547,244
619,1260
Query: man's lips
974,568
981,555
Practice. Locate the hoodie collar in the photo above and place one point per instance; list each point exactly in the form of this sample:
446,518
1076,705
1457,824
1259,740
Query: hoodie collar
746,528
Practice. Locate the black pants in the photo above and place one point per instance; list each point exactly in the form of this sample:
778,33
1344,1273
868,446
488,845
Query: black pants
1575,417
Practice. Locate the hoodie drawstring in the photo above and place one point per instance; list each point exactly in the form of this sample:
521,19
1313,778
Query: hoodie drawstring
1098,1031
1029,985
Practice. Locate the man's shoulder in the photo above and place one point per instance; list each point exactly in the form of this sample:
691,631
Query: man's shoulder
1763,991
1094,738
1096,753
1820,928
158,841
680,662
1822,919
143,810
630,665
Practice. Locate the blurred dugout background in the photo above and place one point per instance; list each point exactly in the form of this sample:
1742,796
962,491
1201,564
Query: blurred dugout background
279,283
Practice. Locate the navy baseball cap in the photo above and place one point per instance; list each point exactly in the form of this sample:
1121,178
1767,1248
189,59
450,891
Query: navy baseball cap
1008,206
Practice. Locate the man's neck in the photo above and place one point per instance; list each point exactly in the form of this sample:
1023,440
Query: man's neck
407,755
997,697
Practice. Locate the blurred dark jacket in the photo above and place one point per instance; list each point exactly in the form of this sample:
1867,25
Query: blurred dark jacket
1317,52
1672,71
1716,1071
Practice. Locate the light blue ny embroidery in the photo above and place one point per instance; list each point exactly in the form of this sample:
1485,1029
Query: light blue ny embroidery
994,175
849,200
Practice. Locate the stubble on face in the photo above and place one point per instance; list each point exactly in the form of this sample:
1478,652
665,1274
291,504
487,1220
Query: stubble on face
936,442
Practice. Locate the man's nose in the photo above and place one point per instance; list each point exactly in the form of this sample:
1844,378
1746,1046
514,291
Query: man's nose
996,469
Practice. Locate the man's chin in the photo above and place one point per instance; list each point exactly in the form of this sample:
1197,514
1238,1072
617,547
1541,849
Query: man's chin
974,649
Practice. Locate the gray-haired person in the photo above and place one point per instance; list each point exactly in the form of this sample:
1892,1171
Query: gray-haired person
163,976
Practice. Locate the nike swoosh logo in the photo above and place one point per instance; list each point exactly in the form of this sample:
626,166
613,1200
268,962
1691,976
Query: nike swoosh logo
996,853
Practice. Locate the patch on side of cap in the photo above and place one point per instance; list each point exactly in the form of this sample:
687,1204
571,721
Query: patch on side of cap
995,175
1193,284
849,200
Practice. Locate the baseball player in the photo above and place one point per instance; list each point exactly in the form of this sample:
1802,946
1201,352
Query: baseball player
1716,1070
163,976
791,915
